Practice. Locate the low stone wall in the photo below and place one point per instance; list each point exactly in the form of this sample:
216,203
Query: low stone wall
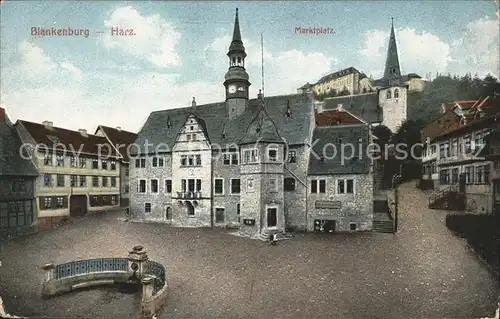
136,269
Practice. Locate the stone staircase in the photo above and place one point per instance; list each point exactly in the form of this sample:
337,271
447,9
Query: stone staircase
448,198
383,226
266,234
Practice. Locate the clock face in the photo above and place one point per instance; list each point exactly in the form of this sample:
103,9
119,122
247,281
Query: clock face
232,89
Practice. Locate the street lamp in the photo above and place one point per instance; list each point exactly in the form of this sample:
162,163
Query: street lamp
396,179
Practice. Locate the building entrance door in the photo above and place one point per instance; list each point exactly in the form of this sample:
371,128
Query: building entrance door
272,217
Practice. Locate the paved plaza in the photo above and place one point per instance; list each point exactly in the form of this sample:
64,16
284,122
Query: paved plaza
422,272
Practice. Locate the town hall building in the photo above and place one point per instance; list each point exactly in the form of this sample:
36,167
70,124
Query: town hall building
261,165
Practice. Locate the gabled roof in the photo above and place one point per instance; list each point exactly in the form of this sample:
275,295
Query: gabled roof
364,106
61,139
330,138
119,138
292,114
337,117
261,129
337,74
11,163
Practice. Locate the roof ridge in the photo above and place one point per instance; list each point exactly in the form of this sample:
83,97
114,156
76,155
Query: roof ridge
113,128
60,128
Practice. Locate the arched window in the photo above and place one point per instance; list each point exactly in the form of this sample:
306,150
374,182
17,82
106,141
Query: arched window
234,61
239,60
388,95
396,93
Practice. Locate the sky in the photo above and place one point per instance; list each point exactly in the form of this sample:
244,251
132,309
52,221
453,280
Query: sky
179,51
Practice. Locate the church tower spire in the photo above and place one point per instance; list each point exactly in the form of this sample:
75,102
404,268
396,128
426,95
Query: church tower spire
392,70
236,78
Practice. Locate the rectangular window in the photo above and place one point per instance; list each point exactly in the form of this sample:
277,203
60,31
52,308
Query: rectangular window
322,186
72,161
154,186
95,163
60,180
143,162
95,181
219,186
292,156
47,202
444,177
47,159
113,200
168,186
188,137
155,161
73,180
104,164
47,180
137,163
486,170
250,156
191,184
467,143
83,181
314,186
104,181
60,160
198,185
289,184
454,176
198,160
350,186
479,175
82,162
126,189
272,155
469,174
141,188
226,158
235,186
234,158
250,186
183,160
59,202
113,165
219,215
113,181
161,162
190,160
147,207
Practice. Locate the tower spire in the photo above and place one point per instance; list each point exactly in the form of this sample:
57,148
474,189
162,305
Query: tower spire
236,32
392,68
236,43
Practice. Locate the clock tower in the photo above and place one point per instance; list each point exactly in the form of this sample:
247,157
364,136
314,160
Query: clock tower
236,78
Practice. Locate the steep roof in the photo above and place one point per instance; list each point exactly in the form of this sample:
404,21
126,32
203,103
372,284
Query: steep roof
338,74
292,115
119,138
236,43
11,163
62,139
326,139
392,68
364,106
261,129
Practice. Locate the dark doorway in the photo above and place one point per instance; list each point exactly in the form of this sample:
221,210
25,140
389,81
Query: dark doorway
168,213
190,208
324,226
461,183
272,217
78,205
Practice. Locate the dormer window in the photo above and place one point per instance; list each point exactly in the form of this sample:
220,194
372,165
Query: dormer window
396,93
388,94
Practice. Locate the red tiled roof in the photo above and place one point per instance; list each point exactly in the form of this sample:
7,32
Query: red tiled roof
336,117
119,138
63,139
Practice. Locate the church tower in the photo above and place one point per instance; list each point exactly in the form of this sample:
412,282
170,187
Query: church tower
392,70
236,78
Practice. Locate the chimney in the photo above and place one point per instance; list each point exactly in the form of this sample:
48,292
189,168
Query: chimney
47,124
83,132
118,128
259,96
2,114
339,107
444,108
193,104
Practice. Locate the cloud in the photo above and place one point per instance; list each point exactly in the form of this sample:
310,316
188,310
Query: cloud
155,39
418,52
475,51
285,71
86,99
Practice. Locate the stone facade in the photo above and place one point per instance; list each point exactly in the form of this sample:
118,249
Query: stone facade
393,100
344,208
